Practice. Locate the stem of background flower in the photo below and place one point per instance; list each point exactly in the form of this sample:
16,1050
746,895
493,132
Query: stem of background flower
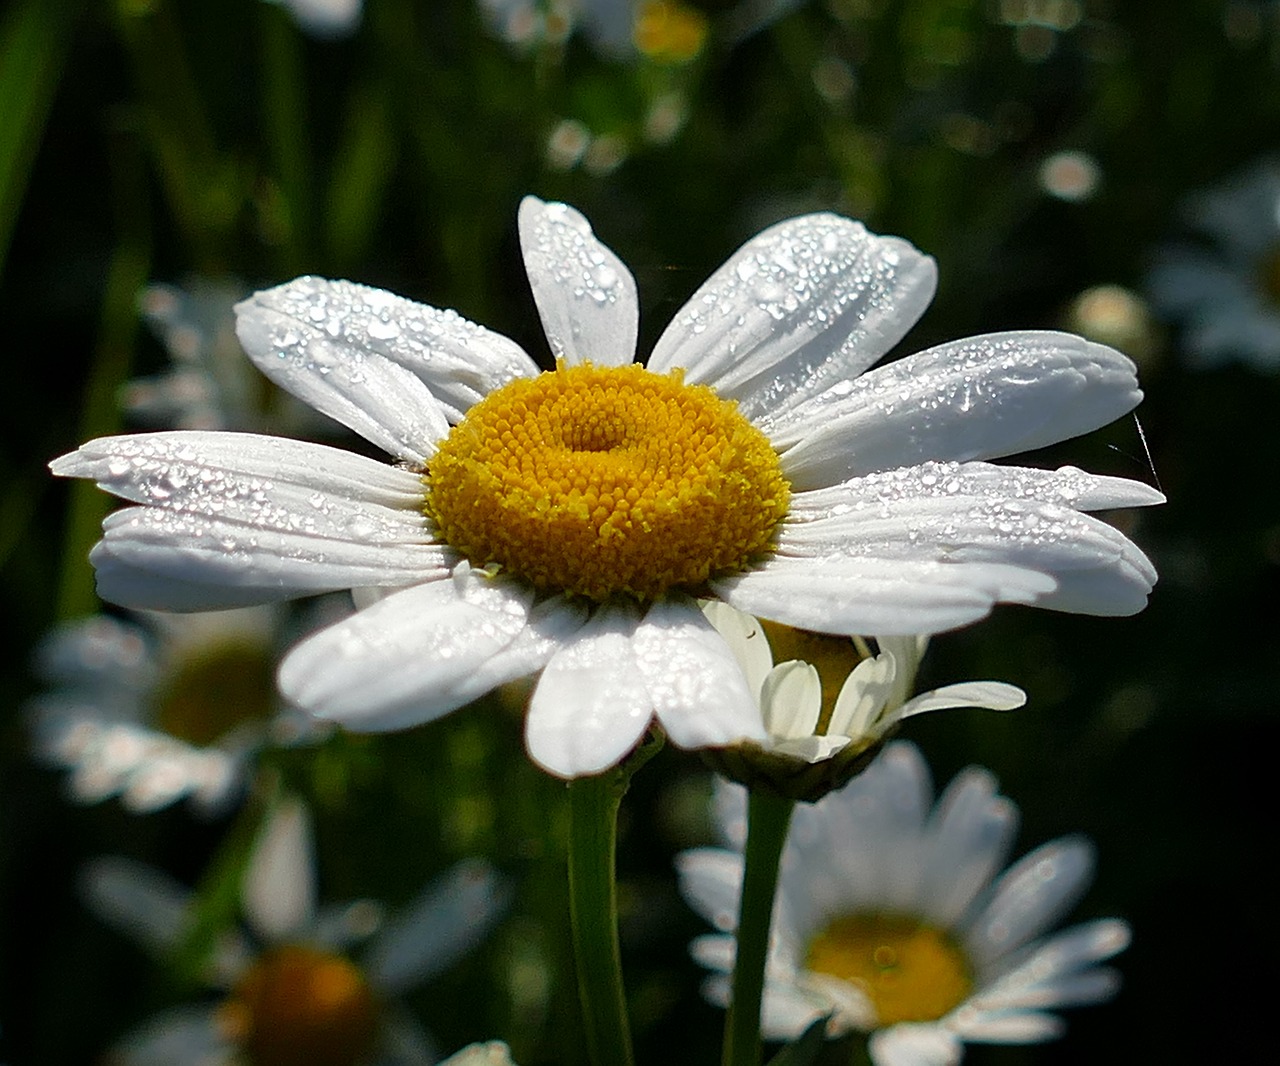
593,905
767,819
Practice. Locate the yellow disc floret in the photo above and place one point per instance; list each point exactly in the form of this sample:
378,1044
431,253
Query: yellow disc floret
300,1006
909,971
605,480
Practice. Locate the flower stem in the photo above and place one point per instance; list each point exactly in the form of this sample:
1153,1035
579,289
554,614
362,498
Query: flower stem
768,816
593,907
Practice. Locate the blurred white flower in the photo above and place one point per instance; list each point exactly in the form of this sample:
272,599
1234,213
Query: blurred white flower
890,917
210,384
828,700
325,18
167,707
1224,290
302,985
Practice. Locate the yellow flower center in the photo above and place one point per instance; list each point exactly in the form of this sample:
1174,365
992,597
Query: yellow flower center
909,971
669,32
605,480
210,693
299,1006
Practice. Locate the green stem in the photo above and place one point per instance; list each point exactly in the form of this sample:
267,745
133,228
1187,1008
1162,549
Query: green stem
767,819
593,910
593,904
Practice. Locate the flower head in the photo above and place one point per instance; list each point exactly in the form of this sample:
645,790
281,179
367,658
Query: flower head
830,703
890,917
162,707
563,521
293,990
1225,289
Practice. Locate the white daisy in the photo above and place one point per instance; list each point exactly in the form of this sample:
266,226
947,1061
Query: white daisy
890,918
1225,291
564,520
292,989
830,702
170,706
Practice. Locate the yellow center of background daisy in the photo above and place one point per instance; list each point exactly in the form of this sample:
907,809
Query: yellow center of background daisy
300,1006
909,971
606,480
215,689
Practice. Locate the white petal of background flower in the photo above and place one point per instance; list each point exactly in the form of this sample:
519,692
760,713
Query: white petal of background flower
969,836
145,904
447,919
279,890
585,294
1029,897
408,658
915,1045
301,332
183,1036
808,302
591,704
711,880
978,398
326,18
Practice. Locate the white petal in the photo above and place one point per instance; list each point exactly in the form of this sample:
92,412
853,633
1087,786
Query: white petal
968,837
846,596
141,902
715,952
971,399
1067,486
150,558
211,472
1029,897
808,302
989,695
696,686
1061,955
591,704
791,700
449,918
745,639
409,658
1070,990
585,294
389,368
711,883
182,1036
238,518
914,1045
863,695
812,748
1068,561
279,888
1018,1027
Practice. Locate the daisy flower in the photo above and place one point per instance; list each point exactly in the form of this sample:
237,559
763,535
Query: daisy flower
829,703
292,989
562,521
890,919
1225,290
169,706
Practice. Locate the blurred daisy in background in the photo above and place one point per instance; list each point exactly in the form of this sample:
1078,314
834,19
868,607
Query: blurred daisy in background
890,918
1224,288
294,992
209,383
164,707
558,523
325,18
829,702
